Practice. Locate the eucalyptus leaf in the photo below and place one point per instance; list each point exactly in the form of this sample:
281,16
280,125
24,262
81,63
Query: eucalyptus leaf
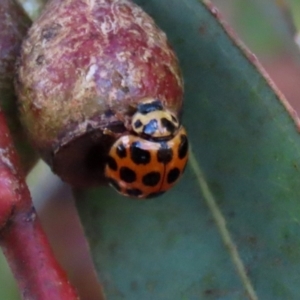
8,288
230,229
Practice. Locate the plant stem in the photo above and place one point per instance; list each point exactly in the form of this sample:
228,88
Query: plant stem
28,252
22,238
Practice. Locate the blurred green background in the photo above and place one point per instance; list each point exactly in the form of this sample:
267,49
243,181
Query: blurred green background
262,25
268,28
7,285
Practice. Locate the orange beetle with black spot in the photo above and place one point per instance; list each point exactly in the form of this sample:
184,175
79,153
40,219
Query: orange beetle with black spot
150,160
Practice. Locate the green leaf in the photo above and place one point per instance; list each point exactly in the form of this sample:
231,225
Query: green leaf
230,228
8,288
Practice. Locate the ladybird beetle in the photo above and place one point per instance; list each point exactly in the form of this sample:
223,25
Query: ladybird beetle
148,161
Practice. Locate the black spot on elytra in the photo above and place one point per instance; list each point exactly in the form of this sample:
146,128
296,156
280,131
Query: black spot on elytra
151,179
168,125
51,31
134,192
121,150
145,108
137,123
138,155
151,127
114,184
164,153
156,194
112,164
173,175
127,175
183,146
